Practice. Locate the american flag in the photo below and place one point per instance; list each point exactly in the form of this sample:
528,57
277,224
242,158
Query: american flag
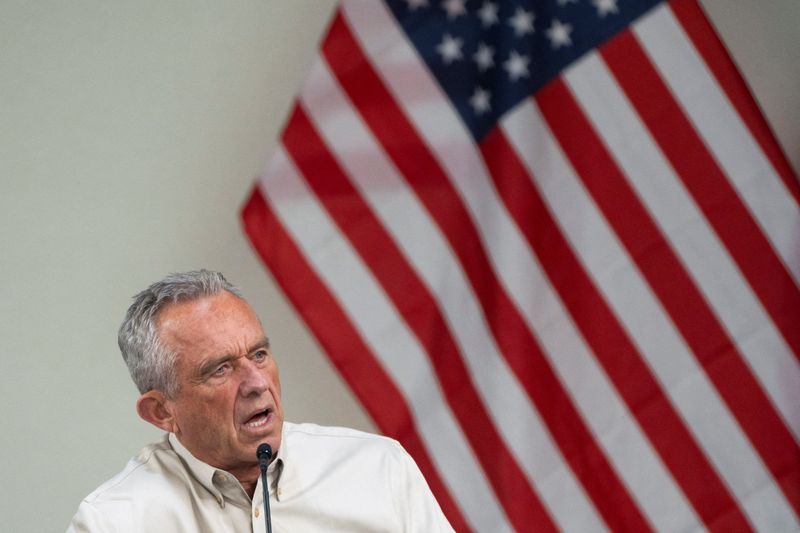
554,249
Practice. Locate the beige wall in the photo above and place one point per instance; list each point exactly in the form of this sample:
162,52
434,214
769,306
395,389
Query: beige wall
130,133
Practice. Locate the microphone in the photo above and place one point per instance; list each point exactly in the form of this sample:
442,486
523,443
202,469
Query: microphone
264,454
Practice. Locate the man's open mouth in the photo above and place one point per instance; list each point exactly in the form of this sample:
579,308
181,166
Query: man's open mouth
258,419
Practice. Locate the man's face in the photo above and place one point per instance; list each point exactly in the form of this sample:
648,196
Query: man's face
229,396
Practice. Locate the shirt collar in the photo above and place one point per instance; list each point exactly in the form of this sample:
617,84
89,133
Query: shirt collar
222,484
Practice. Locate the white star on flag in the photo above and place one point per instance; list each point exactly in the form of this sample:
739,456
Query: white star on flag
558,33
516,65
450,48
480,100
522,22
484,57
413,5
604,7
488,14
454,8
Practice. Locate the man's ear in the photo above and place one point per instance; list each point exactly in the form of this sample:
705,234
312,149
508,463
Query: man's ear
154,407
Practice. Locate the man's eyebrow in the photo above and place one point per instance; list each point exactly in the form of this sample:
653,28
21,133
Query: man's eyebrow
208,366
261,344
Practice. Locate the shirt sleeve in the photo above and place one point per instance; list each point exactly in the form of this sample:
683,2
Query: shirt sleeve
89,519
420,512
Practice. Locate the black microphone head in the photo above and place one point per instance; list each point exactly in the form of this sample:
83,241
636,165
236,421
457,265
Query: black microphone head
264,451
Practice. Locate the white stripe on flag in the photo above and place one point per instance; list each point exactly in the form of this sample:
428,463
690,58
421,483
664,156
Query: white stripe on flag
736,151
644,319
386,334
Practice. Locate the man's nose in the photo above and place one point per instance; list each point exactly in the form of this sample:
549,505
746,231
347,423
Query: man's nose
254,378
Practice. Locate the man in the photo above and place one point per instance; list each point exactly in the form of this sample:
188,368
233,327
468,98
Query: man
199,356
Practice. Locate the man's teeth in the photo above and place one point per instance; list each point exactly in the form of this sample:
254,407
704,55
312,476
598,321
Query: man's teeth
258,420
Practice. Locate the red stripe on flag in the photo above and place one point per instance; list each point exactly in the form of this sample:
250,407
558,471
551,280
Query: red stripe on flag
420,168
609,342
655,258
421,312
340,340
707,184
708,44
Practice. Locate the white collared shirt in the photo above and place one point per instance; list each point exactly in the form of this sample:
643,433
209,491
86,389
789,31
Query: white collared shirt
322,479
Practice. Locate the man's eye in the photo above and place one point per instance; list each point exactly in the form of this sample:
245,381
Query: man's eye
260,355
220,370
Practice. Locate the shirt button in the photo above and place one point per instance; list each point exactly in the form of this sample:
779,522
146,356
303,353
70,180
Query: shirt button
258,512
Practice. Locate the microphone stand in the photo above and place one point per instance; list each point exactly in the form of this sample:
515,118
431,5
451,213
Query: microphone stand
264,454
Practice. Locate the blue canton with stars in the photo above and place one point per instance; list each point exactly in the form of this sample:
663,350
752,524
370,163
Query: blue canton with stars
489,55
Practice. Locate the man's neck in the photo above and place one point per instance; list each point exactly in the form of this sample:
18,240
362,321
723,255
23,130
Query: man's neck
249,487
248,479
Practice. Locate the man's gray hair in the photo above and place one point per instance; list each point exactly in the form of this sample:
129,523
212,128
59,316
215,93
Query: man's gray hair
150,362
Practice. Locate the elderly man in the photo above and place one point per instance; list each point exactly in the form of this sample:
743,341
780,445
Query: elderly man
207,376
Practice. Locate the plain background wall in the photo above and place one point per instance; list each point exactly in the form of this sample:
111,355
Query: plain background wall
130,135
